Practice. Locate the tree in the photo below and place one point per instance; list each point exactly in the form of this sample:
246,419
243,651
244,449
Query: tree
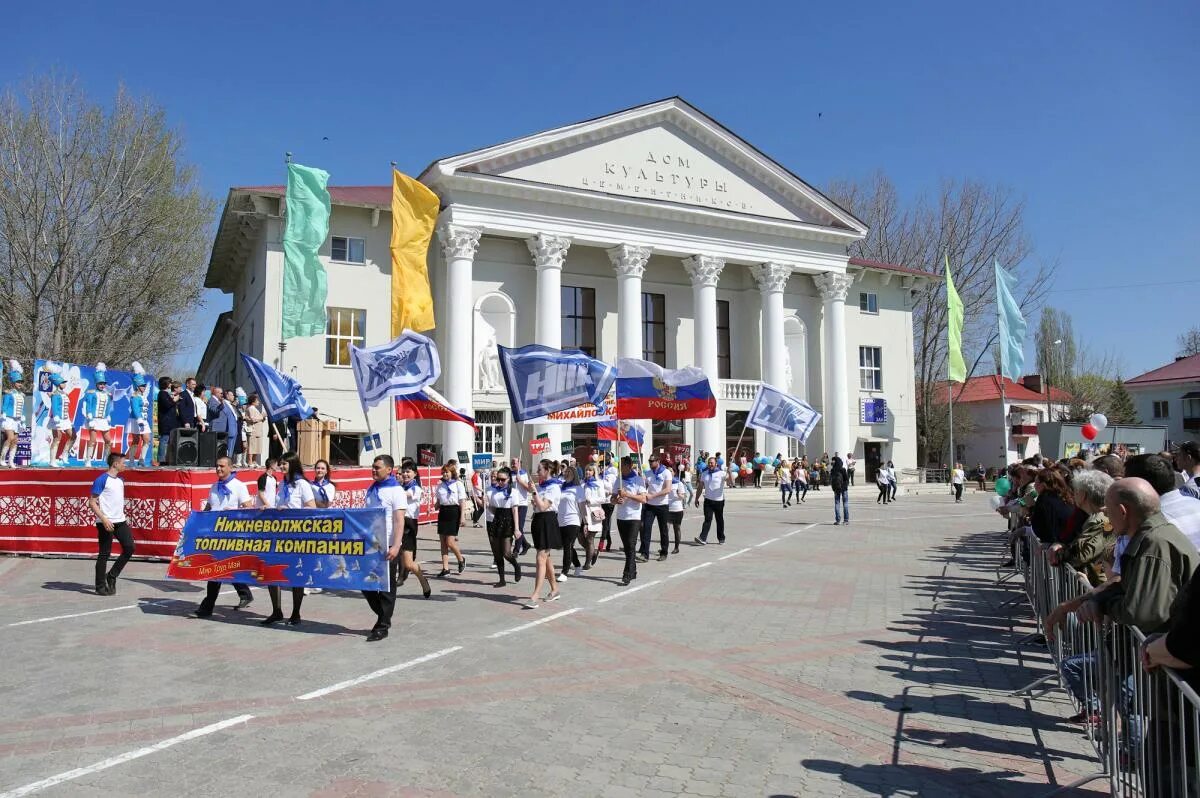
103,230
1120,408
935,441
975,225
1189,342
1054,343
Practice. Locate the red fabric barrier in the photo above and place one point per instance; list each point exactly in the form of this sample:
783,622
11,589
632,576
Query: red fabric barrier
44,510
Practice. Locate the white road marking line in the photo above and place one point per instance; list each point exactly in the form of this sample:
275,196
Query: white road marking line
105,764
734,554
765,542
324,691
532,624
689,570
82,614
798,531
630,590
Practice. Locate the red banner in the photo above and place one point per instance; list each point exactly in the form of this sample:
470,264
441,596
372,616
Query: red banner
205,568
539,447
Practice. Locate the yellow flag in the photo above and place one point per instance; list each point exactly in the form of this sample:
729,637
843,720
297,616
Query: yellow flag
414,214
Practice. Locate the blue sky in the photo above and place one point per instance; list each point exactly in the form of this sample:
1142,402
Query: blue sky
1088,109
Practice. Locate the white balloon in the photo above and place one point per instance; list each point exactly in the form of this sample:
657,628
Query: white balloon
1099,421
996,502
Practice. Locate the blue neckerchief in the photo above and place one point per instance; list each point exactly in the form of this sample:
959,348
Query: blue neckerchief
285,491
549,482
319,486
412,483
629,479
569,485
592,482
658,471
223,485
390,482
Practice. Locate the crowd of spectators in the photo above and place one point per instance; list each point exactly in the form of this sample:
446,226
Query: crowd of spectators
191,405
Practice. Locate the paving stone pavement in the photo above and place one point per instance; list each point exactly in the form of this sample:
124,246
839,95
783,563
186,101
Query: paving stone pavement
801,658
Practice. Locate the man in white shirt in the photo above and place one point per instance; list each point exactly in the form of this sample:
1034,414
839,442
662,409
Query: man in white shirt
227,493
107,503
1187,462
609,477
851,464
958,478
658,487
387,494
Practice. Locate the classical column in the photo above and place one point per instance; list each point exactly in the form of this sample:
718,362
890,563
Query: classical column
549,253
833,288
629,261
459,245
705,271
772,280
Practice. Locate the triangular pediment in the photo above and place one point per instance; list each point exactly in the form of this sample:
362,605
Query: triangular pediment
666,151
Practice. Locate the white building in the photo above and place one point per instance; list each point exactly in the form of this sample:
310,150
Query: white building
1170,396
1006,417
653,232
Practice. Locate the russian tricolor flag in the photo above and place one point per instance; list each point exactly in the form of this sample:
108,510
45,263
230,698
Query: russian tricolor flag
631,433
647,390
428,404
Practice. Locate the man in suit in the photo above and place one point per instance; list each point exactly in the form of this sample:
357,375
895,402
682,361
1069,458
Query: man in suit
217,421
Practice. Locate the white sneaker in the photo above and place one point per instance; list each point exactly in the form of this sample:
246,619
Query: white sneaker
309,591
562,577
56,464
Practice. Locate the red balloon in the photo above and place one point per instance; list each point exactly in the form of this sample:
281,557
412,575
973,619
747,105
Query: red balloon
1089,431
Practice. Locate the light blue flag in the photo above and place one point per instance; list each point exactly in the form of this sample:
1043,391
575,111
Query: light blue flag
398,368
281,395
305,230
1012,326
541,380
775,411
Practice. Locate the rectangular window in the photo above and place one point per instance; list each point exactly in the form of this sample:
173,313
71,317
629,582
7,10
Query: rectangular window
868,303
724,355
489,432
1162,410
870,368
343,326
654,328
579,319
1191,409
348,250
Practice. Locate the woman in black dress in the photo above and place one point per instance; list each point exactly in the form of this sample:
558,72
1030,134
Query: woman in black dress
545,495
501,523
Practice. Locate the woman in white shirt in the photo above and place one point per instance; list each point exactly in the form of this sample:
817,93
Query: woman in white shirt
571,505
631,495
799,480
200,402
501,515
452,515
958,478
783,475
545,496
596,494
324,489
677,500
294,494
713,480
885,486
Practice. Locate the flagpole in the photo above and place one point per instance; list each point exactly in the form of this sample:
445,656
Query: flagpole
950,402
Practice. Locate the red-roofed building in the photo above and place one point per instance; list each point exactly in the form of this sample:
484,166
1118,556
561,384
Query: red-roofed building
1170,395
1003,410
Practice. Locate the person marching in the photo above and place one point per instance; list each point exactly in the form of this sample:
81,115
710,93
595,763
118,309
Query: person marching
295,493
324,492
595,493
97,414
571,506
958,478
799,480
227,493
893,483
713,479
678,500
630,497
412,513
139,415
13,415
783,475
521,484
608,477
885,487
501,517
63,430
386,494
545,497
452,516
658,486
107,503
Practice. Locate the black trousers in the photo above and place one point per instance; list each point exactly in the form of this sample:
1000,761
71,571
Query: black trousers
758,472
628,530
606,526
570,534
213,589
851,473
104,541
713,509
383,602
650,514
884,492
958,487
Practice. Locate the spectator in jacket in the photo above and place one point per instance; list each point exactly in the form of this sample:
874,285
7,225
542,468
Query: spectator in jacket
1083,552
187,405
839,481
168,414
1180,509
217,420
1053,507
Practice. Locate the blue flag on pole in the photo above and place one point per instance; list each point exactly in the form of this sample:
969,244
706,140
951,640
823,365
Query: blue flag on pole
281,395
541,380
402,367
1012,326
775,411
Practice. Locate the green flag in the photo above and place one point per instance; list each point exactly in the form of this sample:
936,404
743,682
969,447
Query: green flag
304,281
956,368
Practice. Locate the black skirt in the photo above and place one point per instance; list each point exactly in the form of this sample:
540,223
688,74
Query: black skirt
449,516
545,531
409,541
501,525
675,516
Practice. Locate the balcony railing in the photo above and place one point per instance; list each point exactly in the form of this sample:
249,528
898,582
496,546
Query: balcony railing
739,390
1025,429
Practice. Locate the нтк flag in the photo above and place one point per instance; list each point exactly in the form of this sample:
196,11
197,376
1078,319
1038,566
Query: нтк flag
429,404
647,390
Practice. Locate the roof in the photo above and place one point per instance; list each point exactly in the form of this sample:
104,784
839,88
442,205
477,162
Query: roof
987,389
338,195
1185,369
893,267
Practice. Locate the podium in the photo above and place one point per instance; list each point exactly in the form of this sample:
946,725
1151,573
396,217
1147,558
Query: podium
314,440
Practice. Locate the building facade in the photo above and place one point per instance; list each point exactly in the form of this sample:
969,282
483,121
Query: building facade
1169,396
653,233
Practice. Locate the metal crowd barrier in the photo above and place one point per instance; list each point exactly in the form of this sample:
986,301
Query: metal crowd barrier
1143,726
